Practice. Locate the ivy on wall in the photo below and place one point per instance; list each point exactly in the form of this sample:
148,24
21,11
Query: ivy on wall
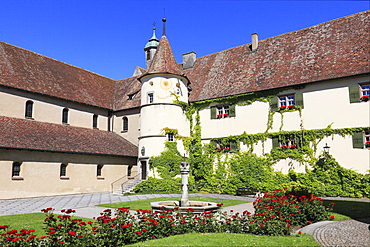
221,172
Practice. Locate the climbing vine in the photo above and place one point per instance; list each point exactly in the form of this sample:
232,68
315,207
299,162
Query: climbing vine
216,170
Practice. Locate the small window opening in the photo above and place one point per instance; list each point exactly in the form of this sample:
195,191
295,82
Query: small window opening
29,108
95,121
65,116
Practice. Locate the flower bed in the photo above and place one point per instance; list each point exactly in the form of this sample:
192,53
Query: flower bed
276,214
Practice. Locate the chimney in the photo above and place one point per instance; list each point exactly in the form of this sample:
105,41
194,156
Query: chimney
188,60
254,42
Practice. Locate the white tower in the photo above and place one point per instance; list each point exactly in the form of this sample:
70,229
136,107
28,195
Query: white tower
161,85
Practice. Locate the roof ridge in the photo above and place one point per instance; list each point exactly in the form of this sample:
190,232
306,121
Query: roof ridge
44,56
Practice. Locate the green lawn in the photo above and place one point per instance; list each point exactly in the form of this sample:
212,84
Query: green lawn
229,239
145,204
344,210
28,222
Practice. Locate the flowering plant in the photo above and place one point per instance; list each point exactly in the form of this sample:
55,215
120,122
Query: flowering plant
293,146
293,207
219,115
291,106
365,98
226,149
282,107
367,144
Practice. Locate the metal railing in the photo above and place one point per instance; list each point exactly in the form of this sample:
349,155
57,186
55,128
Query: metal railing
119,183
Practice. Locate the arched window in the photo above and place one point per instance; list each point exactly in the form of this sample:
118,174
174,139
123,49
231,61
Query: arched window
16,169
95,121
99,169
63,170
125,124
29,108
65,116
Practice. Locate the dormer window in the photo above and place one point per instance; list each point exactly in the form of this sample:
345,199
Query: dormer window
132,96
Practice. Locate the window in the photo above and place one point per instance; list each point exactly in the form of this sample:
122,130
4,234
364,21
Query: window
285,142
220,146
222,111
150,98
29,108
365,92
361,139
148,55
286,101
16,169
170,137
63,170
99,170
132,96
95,121
125,124
65,116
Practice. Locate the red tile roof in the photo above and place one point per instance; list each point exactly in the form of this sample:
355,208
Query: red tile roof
164,61
23,69
124,88
334,49
19,133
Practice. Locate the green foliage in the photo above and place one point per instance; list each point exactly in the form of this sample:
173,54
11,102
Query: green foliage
155,185
167,163
328,178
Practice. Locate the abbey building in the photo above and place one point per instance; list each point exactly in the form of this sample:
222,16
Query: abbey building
66,130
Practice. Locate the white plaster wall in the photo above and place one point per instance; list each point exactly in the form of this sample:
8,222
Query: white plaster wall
40,172
156,117
46,109
163,86
133,132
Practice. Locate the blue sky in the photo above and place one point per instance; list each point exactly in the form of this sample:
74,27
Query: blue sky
108,36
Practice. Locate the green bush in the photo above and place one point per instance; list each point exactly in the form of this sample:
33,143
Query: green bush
156,185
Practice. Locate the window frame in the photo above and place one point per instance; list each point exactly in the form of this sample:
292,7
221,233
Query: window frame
222,111
29,109
99,171
170,137
124,124
16,170
150,97
364,91
63,171
95,121
65,113
286,101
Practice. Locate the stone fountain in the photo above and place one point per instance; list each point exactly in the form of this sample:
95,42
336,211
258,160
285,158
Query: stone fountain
184,204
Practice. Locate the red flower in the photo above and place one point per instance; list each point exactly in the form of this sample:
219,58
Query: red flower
333,203
332,217
139,233
72,233
4,226
61,242
262,225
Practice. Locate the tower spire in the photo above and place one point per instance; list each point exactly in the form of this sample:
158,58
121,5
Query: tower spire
164,27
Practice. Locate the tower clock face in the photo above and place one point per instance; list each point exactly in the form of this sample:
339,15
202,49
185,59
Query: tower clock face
166,84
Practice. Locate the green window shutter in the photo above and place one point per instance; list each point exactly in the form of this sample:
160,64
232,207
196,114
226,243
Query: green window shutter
354,93
274,103
213,112
358,140
231,110
298,98
275,142
233,146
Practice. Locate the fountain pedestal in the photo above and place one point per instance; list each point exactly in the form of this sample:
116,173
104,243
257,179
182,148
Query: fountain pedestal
184,204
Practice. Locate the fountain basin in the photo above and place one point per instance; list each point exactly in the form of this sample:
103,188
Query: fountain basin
197,206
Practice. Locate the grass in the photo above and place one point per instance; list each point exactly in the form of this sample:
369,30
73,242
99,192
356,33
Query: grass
229,239
28,222
145,204
344,210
